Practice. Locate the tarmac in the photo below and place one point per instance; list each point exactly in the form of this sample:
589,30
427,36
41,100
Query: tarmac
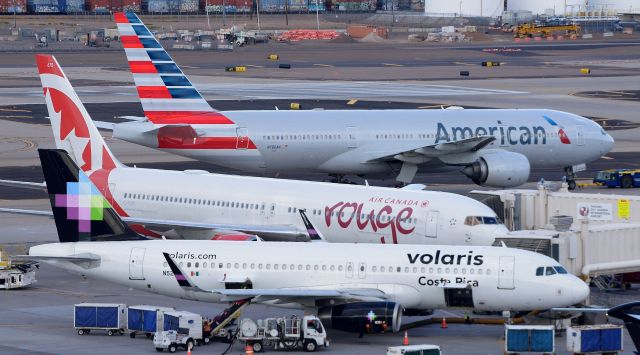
38,319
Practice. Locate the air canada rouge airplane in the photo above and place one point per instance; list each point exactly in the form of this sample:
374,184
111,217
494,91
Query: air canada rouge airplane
493,147
199,205
349,285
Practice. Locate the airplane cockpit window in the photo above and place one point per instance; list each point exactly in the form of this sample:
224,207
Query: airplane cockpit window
540,271
560,270
550,271
476,220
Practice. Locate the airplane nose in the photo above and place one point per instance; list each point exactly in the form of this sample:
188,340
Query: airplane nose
580,291
607,143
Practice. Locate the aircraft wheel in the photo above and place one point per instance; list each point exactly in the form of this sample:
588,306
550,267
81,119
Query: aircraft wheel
572,184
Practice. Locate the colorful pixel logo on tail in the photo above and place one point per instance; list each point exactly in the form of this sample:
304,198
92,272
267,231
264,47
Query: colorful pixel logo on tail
84,203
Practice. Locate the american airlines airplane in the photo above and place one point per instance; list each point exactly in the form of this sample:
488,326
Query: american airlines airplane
494,148
199,205
338,281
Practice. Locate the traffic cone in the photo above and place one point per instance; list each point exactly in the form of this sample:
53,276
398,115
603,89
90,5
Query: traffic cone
248,350
405,341
444,323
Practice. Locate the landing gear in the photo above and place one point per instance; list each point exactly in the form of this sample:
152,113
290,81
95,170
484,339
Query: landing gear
570,177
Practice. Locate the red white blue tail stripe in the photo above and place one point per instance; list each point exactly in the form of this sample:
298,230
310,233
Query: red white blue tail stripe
166,94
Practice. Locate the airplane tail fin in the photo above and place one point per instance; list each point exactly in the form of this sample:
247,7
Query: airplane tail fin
79,209
314,234
629,313
166,94
72,127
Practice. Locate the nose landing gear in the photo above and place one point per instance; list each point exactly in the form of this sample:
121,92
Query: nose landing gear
570,177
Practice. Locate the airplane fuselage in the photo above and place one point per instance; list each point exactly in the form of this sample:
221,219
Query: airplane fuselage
417,277
342,213
353,141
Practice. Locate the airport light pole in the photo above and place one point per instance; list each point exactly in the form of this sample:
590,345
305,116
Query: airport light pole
258,13
318,15
206,9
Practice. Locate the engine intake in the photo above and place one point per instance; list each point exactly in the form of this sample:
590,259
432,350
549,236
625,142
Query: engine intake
500,169
363,317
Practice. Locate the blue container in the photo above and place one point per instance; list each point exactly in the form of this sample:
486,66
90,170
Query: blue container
541,340
595,338
171,322
98,316
611,339
518,340
529,338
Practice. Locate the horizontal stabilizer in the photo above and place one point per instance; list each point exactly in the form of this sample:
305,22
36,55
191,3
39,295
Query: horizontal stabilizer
104,125
132,118
27,212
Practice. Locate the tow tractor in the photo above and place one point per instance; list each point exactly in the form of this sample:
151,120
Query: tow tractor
624,178
290,333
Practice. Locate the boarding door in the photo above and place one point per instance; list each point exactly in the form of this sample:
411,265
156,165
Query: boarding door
579,135
431,227
243,138
506,272
136,264
352,137
362,270
349,270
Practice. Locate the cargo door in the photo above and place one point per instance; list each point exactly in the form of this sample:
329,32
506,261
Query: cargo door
431,226
243,138
349,270
362,270
506,272
136,264
352,137
579,135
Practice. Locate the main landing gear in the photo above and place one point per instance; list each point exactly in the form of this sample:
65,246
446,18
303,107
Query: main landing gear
570,177
340,179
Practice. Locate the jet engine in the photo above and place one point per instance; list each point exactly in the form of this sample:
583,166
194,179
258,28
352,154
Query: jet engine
499,169
363,317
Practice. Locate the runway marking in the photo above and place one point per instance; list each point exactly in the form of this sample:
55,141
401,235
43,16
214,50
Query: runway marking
463,63
13,110
14,116
253,66
189,67
352,101
393,65
324,65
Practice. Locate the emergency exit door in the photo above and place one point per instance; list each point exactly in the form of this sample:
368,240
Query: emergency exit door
243,138
136,264
506,272
431,227
579,135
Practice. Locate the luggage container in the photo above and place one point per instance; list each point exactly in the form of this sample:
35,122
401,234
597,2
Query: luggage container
602,338
110,317
529,338
422,349
146,319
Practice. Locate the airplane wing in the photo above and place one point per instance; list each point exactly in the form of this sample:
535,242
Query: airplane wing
279,232
24,184
290,294
466,145
85,260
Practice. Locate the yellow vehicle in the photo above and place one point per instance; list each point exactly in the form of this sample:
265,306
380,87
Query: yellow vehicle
531,30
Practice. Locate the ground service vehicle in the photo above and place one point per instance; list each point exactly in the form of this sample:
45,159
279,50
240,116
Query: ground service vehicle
182,329
422,349
624,178
146,319
283,333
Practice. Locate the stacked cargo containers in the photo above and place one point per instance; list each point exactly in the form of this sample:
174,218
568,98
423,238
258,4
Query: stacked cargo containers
111,5
231,6
72,6
354,5
171,6
43,6
13,6
280,6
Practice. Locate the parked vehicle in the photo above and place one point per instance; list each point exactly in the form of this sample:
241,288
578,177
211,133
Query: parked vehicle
283,333
110,317
182,330
624,178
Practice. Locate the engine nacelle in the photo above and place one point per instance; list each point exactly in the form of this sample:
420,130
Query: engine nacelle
363,317
499,169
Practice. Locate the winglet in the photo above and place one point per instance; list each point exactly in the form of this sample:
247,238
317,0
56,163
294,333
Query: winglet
314,235
180,276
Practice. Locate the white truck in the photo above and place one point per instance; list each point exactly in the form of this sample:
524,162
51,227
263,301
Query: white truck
283,333
181,329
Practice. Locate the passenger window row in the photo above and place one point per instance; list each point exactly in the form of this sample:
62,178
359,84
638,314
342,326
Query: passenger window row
195,201
302,137
550,270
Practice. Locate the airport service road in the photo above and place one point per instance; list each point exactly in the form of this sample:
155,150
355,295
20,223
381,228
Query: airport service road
39,319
